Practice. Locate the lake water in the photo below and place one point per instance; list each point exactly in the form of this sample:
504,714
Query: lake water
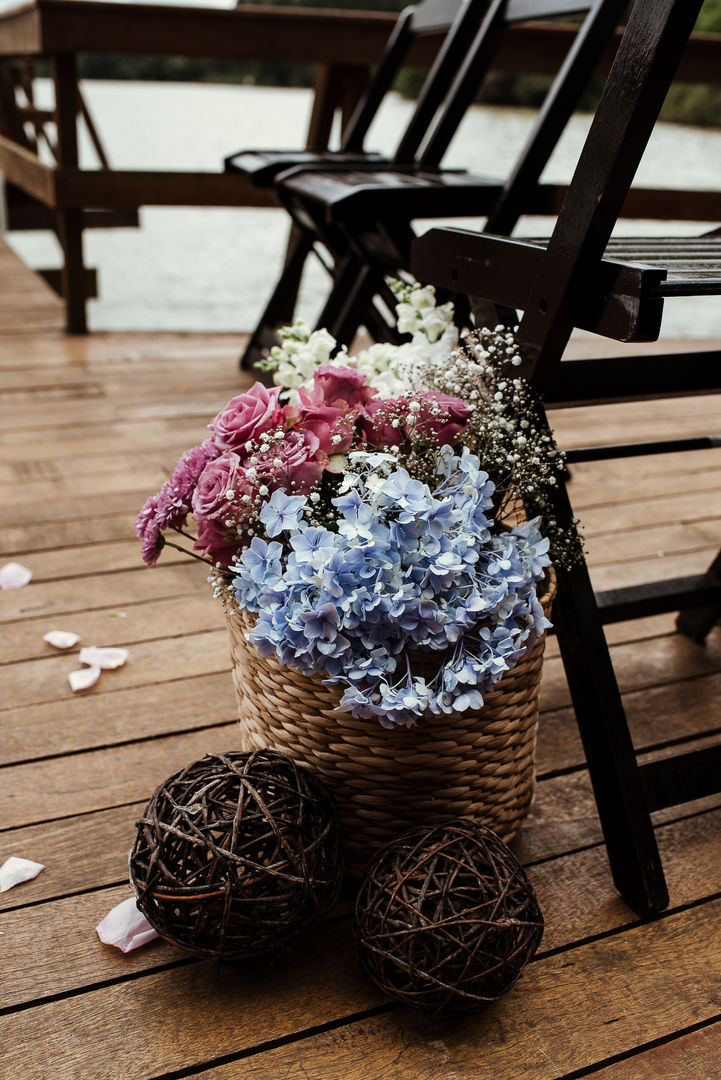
212,269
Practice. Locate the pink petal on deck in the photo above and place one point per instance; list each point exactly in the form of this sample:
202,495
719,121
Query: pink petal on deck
13,575
83,678
61,639
15,870
103,658
126,927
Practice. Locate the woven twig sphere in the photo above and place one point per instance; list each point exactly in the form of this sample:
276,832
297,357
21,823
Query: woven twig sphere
446,918
236,854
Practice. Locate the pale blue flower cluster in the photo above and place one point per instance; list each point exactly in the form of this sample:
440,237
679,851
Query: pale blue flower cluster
404,575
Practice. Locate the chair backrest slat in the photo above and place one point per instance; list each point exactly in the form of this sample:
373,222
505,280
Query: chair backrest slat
600,20
637,84
430,16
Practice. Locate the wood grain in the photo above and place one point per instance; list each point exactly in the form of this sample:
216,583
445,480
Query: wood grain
627,989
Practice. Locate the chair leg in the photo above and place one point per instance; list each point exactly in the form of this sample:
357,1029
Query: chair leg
697,623
632,851
281,303
349,300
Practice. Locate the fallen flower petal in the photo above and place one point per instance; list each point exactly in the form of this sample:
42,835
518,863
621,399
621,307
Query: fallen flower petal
83,678
61,639
15,870
126,927
103,658
13,575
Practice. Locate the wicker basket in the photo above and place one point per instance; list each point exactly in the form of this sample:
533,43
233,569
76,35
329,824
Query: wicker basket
472,764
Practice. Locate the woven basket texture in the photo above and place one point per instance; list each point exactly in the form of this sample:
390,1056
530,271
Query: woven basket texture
477,765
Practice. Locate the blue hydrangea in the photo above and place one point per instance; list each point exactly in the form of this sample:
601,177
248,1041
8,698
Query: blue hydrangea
402,571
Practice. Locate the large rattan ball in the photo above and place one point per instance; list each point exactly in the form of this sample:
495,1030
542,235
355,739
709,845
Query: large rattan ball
446,918
237,854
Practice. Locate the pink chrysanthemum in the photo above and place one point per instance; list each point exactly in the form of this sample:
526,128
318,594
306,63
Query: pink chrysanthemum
153,543
147,517
189,468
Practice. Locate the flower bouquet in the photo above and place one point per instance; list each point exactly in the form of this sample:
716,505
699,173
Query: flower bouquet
362,522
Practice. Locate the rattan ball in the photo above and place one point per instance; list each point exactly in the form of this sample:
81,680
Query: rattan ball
236,854
446,918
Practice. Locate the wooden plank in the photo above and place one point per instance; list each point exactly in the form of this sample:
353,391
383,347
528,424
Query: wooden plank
621,997
150,664
656,715
26,300
80,853
135,622
532,47
111,777
53,946
250,33
189,1015
693,1057
564,887
121,189
143,712
98,592
24,168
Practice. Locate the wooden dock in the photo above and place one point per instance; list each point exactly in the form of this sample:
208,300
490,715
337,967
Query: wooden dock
88,427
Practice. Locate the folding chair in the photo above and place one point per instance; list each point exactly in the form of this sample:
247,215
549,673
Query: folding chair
617,289
358,214
458,20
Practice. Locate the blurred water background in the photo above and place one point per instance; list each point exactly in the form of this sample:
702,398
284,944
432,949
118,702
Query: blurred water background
209,269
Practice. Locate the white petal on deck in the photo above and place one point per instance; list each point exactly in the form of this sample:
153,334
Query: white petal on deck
83,678
61,639
13,575
126,927
16,870
103,658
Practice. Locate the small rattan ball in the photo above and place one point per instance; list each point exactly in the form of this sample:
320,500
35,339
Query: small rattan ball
446,918
236,855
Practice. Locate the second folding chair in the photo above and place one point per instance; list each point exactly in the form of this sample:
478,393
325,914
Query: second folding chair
363,216
617,290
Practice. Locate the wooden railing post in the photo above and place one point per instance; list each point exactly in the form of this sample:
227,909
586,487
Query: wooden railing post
70,221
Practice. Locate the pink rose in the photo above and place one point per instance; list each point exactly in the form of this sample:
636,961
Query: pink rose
222,546
383,421
210,501
333,384
440,419
295,464
246,417
332,425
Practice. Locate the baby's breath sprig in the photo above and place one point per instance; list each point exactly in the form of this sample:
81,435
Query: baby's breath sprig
508,432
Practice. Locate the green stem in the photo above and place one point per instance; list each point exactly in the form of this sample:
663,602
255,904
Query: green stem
169,543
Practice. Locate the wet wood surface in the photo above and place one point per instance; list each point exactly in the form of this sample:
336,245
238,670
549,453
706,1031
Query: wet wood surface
89,427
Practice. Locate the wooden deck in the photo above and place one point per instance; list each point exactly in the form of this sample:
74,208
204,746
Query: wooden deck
88,427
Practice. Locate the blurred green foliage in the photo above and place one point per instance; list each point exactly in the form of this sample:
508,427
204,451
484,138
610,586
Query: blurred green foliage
686,104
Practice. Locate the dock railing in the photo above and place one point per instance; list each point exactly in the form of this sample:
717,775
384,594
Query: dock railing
342,45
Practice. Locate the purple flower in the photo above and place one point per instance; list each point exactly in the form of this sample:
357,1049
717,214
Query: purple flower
153,542
186,473
172,510
147,519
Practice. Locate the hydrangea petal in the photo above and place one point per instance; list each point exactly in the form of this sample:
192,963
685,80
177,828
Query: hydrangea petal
83,678
103,658
125,927
14,575
61,639
16,870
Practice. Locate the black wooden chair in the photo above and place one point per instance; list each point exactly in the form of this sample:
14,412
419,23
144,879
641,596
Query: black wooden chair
430,17
581,278
458,21
363,215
